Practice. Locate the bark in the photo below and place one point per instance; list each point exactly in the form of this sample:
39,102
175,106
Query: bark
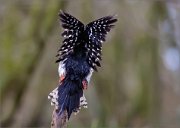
59,121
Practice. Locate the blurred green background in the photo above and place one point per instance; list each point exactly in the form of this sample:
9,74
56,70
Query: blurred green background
138,85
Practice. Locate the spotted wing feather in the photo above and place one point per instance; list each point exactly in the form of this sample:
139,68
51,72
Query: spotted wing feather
97,31
72,30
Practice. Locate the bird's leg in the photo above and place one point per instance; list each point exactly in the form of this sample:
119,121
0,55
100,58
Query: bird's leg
61,78
85,84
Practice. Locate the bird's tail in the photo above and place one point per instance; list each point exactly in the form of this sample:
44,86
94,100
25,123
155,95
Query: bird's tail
68,96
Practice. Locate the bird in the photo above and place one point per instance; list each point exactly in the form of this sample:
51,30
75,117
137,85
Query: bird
78,57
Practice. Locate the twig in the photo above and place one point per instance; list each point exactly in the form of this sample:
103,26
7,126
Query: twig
59,121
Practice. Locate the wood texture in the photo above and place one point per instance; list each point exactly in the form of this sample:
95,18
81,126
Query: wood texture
59,121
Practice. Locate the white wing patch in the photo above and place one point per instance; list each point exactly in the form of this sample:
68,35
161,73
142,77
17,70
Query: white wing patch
61,68
88,78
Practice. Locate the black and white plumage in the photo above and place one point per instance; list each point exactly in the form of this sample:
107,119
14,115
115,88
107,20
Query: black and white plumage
78,57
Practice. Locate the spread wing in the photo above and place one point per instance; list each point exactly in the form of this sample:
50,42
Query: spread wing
72,30
97,31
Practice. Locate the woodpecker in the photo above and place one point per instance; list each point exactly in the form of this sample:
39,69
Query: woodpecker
78,56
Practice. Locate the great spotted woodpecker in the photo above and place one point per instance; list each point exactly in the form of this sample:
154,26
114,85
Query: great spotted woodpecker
78,57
